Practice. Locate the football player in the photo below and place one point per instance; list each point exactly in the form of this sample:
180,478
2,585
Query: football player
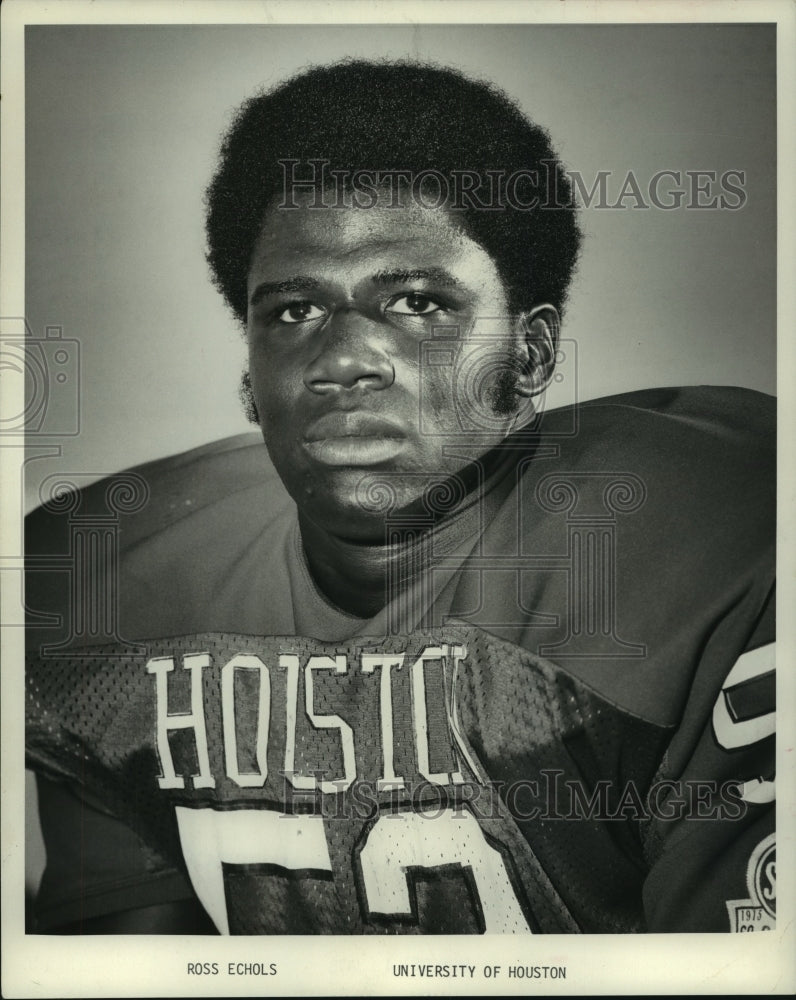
432,660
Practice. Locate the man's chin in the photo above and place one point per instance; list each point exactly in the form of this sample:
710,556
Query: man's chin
348,525
367,513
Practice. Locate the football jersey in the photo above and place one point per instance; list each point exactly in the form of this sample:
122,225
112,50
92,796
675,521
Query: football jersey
561,721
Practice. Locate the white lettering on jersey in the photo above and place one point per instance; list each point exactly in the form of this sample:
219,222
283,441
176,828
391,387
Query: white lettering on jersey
291,664
389,779
420,716
339,664
161,667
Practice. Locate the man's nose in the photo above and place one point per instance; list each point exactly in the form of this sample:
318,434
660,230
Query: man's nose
352,355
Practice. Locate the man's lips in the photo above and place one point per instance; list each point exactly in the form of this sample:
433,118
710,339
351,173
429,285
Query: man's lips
351,424
353,438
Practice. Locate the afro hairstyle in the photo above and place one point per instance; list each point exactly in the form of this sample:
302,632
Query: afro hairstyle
390,116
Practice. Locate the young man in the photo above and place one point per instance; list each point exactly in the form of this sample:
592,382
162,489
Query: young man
431,661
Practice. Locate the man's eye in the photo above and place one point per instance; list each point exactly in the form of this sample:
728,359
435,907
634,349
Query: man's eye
414,304
300,312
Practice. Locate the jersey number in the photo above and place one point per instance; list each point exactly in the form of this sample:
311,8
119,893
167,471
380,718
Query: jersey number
744,713
396,845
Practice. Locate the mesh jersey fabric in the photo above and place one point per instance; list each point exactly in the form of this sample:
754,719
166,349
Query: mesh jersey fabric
687,546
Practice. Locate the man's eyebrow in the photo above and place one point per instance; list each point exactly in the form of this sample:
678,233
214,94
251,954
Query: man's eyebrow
301,283
393,276
397,276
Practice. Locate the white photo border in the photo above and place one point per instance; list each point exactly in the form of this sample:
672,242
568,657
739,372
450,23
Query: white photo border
49,966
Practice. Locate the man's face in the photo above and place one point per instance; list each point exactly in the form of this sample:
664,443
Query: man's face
376,338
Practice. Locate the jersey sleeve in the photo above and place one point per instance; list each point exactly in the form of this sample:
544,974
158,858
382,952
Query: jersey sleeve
711,838
83,548
96,865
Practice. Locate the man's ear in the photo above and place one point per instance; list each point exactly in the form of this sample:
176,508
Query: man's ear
538,333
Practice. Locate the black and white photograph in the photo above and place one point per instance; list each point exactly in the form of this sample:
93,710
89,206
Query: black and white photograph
396,475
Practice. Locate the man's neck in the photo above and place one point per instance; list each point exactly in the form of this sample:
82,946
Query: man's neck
361,578
352,576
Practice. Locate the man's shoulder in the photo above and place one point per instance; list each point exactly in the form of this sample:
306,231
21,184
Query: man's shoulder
173,546
684,477
202,484
695,445
648,524
703,414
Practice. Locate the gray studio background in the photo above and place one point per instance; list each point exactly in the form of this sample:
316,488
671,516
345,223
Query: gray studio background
122,127
123,123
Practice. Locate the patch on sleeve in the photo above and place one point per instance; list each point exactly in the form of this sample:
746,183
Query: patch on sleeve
758,912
